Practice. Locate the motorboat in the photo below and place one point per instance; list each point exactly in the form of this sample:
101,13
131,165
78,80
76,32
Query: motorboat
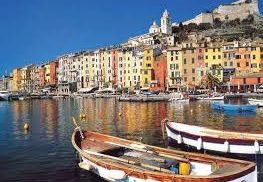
258,102
5,95
234,107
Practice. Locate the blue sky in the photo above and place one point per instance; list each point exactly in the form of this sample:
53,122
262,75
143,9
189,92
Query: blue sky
34,31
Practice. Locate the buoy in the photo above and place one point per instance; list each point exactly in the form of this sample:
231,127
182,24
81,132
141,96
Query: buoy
26,126
179,139
120,114
256,145
199,144
226,146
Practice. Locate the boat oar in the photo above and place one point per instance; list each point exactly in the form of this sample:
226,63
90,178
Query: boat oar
179,158
127,161
77,127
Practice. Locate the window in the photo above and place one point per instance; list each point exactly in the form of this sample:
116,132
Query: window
231,63
193,78
214,57
238,65
200,50
261,56
193,60
219,56
146,80
172,58
172,74
206,64
202,73
225,55
238,56
172,53
185,79
185,71
184,60
214,50
225,63
219,49
176,57
193,70
177,66
206,57
254,56
145,72
247,64
206,50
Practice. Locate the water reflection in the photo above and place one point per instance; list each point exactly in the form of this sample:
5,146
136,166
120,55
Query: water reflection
40,153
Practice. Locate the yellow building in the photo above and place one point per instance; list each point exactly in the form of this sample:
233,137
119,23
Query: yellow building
47,73
213,59
128,59
16,79
255,59
148,58
174,67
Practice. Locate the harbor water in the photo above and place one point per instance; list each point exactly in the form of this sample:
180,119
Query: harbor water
45,153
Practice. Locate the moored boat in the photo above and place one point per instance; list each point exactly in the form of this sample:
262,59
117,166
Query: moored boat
258,102
211,98
116,159
4,95
214,140
232,107
179,97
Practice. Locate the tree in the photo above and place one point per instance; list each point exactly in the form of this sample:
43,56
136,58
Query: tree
204,26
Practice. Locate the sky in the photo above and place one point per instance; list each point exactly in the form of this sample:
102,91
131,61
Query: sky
36,31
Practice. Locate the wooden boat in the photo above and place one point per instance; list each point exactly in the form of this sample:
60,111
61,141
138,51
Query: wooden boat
211,98
116,159
258,102
214,140
232,107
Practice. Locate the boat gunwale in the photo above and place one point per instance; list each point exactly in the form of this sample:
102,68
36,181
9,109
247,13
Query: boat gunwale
244,170
242,138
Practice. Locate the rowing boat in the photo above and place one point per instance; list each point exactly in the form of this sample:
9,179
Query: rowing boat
214,140
116,159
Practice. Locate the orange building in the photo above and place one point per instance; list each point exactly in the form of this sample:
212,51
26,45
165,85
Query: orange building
159,73
246,82
42,81
53,73
243,60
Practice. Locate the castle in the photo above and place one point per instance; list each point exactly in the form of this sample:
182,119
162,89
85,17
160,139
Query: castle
238,9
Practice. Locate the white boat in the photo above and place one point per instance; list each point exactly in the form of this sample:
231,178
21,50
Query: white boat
21,98
119,160
4,95
211,98
178,97
257,102
214,140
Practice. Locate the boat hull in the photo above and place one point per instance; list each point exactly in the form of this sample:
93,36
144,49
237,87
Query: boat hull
256,102
234,146
4,97
211,98
236,108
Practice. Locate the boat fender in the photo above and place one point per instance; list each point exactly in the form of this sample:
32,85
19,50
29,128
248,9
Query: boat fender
226,146
199,144
85,166
257,148
179,139
117,174
184,168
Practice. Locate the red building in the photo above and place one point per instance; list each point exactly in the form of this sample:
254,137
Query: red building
159,73
53,73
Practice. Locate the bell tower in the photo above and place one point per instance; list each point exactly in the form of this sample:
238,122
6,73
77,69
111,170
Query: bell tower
166,25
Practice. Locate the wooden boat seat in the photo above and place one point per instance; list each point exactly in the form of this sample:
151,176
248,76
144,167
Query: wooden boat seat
226,169
98,146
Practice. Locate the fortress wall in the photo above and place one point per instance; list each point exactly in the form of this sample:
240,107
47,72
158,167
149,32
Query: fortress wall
201,18
236,11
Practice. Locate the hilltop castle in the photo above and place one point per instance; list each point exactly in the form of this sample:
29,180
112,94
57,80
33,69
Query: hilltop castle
238,9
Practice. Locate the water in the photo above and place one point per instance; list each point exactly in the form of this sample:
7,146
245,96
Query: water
44,153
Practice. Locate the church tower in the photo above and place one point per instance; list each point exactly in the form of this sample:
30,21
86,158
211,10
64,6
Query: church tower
166,24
